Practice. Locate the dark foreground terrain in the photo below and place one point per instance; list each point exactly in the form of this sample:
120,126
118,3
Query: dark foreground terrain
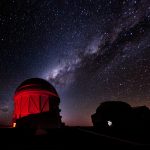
71,138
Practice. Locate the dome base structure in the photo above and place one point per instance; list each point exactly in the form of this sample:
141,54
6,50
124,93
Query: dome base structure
41,120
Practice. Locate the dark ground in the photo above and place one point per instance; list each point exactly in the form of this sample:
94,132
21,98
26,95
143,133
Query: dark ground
71,138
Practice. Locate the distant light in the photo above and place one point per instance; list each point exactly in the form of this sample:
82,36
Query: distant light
14,125
109,123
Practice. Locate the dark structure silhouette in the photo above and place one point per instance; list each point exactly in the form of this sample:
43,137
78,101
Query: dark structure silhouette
112,114
141,117
119,115
36,105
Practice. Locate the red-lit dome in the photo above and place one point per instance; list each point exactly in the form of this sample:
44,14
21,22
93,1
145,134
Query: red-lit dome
36,84
35,96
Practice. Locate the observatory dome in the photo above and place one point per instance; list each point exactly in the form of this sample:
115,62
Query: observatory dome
36,96
36,84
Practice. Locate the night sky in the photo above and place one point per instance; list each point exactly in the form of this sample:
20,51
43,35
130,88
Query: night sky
90,50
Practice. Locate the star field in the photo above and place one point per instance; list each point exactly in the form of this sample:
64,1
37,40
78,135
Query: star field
91,51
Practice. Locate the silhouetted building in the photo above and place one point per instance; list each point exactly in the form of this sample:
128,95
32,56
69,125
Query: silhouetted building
112,114
36,104
141,117
117,115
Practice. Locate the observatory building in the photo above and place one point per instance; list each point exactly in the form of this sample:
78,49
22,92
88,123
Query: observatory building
36,103
113,114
